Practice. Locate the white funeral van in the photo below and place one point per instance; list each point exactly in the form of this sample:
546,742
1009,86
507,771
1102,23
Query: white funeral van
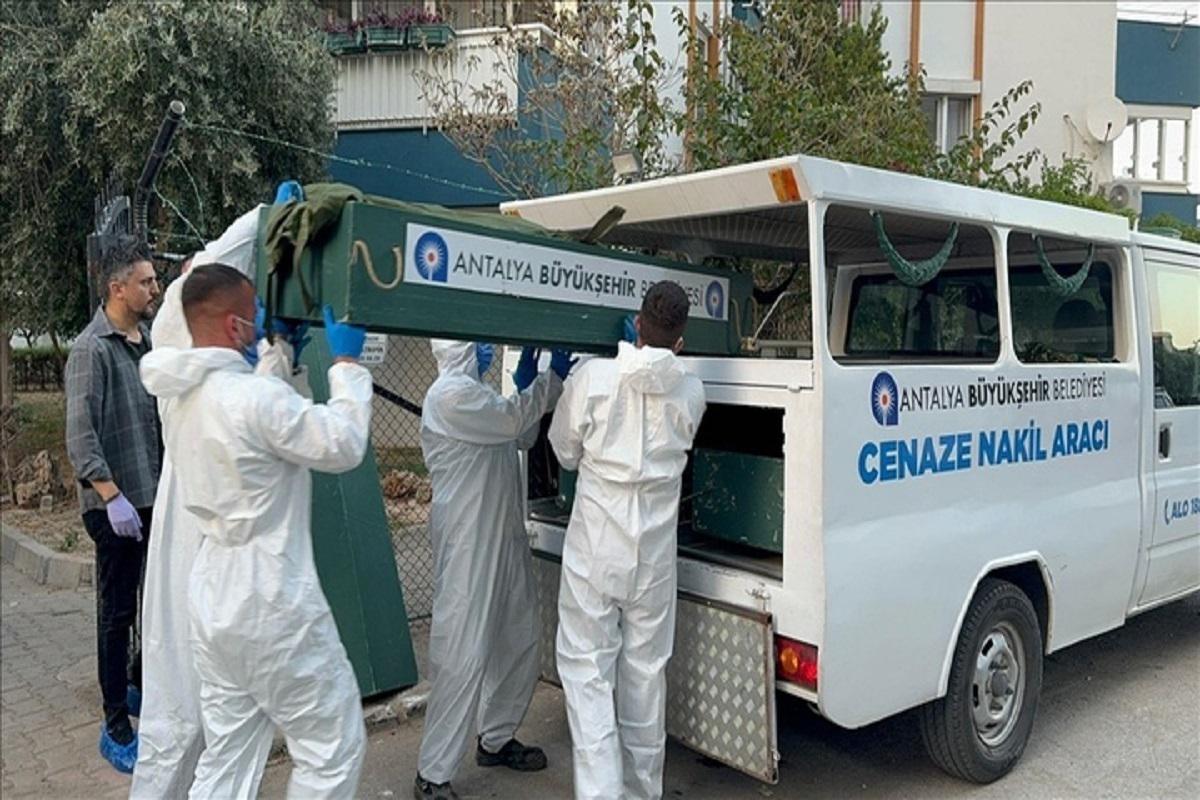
963,432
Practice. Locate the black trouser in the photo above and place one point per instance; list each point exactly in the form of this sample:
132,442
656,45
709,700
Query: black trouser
119,567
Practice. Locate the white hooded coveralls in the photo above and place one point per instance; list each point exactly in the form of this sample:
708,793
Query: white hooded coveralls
263,639
483,659
626,424
170,731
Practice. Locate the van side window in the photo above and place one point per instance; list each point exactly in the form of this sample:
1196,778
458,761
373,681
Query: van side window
1175,333
952,316
910,288
1053,322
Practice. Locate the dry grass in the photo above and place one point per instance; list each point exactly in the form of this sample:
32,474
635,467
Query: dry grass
61,530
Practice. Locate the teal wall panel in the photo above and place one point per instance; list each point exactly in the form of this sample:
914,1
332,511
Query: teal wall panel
1158,64
1180,206
425,168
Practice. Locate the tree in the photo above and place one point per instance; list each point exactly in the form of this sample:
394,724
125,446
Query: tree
592,88
86,85
807,81
803,81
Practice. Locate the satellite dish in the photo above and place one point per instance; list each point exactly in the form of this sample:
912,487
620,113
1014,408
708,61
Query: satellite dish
1106,119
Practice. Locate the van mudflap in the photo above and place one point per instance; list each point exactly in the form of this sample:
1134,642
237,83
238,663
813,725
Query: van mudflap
720,680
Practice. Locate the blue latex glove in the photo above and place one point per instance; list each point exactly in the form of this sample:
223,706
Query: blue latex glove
484,355
561,362
527,368
250,353
288,191
260,319
345,340
294,333
629,330
123,518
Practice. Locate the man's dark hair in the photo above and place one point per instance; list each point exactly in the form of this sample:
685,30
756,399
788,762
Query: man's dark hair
215,284
664,314
117,260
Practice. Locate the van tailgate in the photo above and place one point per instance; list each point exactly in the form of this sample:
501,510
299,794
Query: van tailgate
720,680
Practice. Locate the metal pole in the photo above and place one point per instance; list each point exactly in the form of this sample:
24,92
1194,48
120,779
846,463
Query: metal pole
154,162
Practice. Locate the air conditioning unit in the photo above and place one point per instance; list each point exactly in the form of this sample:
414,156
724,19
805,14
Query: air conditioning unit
1124,195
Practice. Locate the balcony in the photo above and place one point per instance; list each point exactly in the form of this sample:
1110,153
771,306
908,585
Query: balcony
381,90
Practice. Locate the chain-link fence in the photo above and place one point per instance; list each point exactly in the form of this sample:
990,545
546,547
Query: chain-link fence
401,380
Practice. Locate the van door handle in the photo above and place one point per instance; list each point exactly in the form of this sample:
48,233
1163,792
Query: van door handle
1164,441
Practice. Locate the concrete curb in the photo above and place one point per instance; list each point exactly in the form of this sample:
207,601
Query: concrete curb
397,708
43,565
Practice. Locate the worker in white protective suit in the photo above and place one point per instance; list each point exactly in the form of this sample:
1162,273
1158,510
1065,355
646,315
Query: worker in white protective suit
483,659
169,728
263,639
626,424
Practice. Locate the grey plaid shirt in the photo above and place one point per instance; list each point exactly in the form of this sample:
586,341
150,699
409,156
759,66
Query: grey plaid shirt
112,421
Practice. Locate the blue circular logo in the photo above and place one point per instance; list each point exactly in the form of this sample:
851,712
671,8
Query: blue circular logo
885,400
432,257
714,300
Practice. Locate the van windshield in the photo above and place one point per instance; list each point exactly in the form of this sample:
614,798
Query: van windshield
954,316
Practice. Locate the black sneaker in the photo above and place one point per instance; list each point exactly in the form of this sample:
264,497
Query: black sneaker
513,755
424,790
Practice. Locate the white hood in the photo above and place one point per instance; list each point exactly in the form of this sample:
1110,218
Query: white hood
168,372
169,328
649,370
455,358
234,247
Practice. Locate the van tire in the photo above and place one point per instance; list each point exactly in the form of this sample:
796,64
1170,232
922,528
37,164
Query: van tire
972,733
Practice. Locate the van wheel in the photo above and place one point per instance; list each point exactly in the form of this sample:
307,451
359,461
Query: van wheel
978,731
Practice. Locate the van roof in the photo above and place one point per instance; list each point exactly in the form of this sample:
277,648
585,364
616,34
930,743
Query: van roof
794,180
1160,242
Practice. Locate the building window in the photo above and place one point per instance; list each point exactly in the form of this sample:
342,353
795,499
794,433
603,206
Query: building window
948,118
1154,147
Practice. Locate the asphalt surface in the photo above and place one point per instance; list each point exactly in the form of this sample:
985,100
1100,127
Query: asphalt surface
1119,717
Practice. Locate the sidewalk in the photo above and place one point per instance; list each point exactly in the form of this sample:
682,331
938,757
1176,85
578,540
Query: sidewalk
49,697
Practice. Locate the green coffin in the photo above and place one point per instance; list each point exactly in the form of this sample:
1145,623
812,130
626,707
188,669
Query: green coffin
352,546
414,271
738,498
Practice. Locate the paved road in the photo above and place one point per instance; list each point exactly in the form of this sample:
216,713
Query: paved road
1119,717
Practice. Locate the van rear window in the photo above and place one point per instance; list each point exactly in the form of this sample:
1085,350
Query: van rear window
952,317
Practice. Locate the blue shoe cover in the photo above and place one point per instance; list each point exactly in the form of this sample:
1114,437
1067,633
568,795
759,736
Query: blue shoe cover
133,700
121,756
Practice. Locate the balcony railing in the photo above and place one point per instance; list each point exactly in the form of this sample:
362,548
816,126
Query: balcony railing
384,89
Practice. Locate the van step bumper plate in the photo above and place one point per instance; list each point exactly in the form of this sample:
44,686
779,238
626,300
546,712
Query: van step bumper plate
720,680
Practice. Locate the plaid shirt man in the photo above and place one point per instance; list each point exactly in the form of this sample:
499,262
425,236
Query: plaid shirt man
112,421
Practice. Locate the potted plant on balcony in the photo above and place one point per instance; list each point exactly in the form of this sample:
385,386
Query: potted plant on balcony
427,29
343,38
383,32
